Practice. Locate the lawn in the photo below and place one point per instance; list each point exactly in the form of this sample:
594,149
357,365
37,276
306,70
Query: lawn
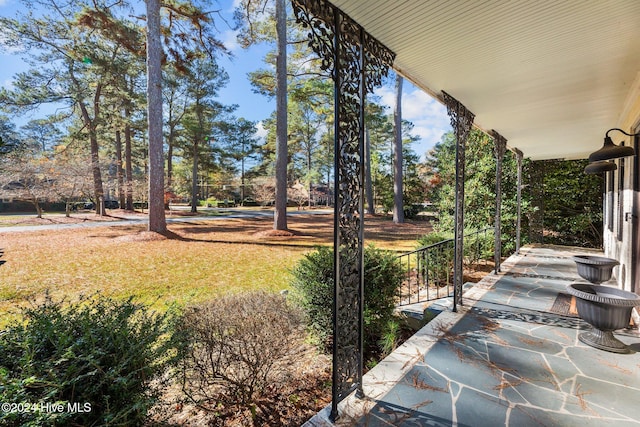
195,263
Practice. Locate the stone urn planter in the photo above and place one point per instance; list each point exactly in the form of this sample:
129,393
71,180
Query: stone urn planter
595,269
606,309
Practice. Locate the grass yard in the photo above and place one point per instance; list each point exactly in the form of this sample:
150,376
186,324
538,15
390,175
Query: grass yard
195,263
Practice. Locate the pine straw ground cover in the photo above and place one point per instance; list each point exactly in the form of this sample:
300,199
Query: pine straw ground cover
192,263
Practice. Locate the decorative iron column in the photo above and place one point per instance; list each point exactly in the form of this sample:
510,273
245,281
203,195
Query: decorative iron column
357,63
499,150
519,156
461,121
536,220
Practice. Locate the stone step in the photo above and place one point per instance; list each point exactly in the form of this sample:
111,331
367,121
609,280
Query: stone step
419,314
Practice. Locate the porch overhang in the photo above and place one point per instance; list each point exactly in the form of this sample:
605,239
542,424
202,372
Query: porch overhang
551,77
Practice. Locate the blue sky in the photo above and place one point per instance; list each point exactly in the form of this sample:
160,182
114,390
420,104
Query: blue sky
428,115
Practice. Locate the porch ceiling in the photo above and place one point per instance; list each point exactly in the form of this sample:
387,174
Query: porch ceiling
550,76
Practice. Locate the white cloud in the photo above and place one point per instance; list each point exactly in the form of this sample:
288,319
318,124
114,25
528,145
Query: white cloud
229,39
8,84
429,116
261,131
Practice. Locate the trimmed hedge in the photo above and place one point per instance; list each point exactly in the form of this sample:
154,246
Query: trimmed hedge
313,290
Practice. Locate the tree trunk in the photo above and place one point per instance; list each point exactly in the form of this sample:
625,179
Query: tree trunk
368,185
128,164
97,175
170,143
119,170
38,207
309,176
157,220
194,179
170,159
242,184
328,187
398,205
95,159
93,142
280,211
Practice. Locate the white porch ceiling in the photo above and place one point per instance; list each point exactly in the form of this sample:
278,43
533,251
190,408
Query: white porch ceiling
551,76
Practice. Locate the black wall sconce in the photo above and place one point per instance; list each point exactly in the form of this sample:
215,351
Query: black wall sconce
610,150
599,167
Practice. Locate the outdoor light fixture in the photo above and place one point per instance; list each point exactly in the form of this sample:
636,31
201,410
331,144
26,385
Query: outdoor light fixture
610,150
599,167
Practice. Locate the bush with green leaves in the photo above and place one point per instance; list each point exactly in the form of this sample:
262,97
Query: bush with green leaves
99,354
438,261
479,184
479,246
312,285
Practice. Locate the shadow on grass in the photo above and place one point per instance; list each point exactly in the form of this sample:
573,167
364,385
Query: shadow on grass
275,242
304,232
135,234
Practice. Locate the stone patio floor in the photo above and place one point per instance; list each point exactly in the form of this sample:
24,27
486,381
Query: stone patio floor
504,359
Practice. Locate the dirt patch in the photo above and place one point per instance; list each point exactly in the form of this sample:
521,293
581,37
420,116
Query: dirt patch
275,233
289,403
475,272
142,236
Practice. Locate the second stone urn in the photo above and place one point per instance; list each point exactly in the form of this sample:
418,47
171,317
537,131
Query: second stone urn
595,269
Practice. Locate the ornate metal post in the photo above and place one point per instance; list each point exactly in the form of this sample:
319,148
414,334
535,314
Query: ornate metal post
357,63
461,121
519,156
536,221
499,150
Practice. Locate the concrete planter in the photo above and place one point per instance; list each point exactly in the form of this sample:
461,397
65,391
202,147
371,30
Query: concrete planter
606,309
595,269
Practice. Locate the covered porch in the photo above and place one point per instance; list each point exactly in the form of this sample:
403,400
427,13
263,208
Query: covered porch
510,356
546,81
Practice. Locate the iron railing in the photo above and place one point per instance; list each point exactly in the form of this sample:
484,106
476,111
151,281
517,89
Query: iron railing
429,270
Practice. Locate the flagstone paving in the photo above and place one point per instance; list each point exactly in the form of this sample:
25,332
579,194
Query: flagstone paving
503,360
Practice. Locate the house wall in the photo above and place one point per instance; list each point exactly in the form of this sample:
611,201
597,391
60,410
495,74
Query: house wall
618,242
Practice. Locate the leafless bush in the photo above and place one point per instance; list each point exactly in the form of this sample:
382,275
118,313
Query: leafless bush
237,349
264,190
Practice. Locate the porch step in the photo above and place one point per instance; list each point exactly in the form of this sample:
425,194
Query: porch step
419,314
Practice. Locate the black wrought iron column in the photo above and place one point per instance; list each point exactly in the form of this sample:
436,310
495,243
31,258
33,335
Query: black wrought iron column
519,156
536,187
499,150
357,63
461,121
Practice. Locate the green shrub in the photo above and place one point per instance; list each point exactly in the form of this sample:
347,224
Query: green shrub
479,246
439,259
433,238
210,202
99,354
313,290
412,211
389,339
